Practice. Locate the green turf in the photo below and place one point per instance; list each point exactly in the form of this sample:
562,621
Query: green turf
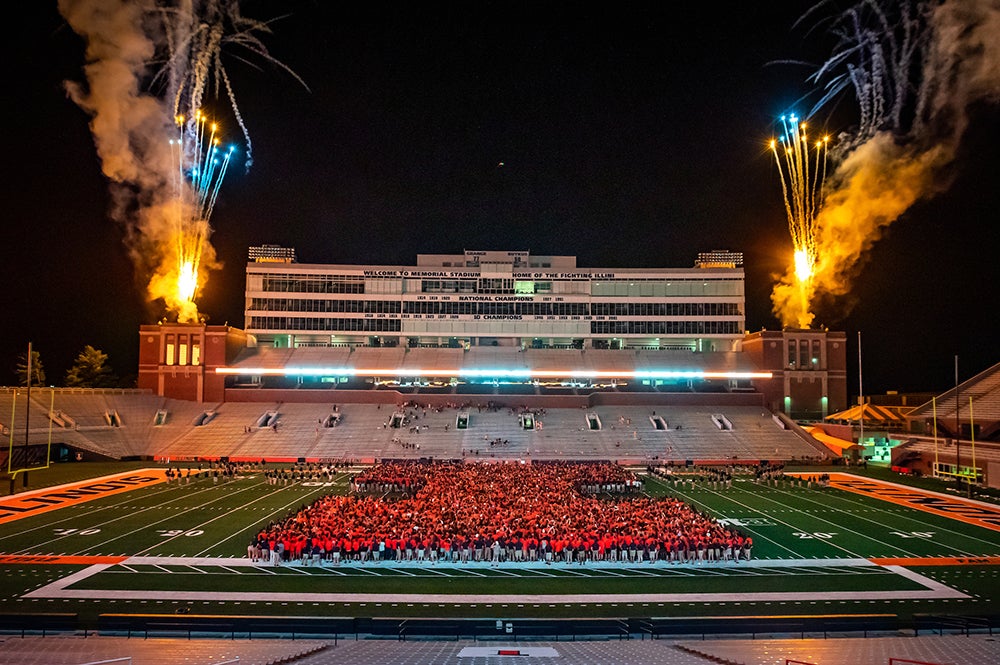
217,520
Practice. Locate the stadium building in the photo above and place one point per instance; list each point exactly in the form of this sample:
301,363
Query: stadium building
496,323
485,298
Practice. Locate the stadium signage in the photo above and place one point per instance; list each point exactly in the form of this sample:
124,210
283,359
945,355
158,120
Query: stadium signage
31,503
455,274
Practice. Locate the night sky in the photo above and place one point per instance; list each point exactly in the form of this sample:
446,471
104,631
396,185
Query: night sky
626,138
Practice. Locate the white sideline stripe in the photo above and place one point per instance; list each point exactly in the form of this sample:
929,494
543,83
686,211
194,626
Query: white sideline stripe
932,590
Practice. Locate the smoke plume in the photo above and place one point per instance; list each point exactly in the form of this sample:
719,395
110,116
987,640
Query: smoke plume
887,173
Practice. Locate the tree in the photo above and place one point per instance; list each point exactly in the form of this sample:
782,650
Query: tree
90,370
37,370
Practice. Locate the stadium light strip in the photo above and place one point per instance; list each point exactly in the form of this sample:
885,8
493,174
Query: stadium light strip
497,373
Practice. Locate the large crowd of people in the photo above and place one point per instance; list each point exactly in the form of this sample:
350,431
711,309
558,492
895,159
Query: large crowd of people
497,512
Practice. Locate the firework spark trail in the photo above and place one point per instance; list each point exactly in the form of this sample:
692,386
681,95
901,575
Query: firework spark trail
909,130
164,191
803,173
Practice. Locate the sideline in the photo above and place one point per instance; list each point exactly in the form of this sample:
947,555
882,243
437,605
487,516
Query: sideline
932,589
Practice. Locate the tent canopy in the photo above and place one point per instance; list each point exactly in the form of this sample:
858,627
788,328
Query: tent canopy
873,413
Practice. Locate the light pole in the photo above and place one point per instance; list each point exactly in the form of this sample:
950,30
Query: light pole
958,433
27,417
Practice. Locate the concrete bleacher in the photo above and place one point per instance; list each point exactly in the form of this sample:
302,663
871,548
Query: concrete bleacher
984,391
12,408
146,425
75,649
365,432
930,650
985,451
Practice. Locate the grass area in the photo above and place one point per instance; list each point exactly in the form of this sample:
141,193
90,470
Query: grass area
792,523
61,473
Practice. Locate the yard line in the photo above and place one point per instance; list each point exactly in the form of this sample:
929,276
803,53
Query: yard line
129,515
88,510
541,572
634,572
470,571
757,534
437,571
369,571
612,573
908,514
279,511
840,525
506,572
836,524
757,510
219,517
147,525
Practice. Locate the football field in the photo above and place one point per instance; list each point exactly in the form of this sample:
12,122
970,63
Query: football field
132,542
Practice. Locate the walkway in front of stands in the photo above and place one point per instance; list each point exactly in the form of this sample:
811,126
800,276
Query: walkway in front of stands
62,588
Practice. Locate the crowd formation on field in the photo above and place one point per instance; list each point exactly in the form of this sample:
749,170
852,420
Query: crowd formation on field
497,512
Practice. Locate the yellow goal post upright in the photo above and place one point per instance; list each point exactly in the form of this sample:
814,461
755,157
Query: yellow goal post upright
11,472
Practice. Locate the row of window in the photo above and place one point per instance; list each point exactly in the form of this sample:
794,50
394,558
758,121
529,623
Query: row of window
804,353
632,287
310,323
182,350
315,305
666,328
662,310
596,327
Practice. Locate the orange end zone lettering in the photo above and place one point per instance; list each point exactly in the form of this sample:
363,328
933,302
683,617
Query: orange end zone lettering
963,510
37,559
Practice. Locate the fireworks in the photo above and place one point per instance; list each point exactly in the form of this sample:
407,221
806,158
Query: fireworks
196,37
160,153
915,67
878,46
803,171
200,165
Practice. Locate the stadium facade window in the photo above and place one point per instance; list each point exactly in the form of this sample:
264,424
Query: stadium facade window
497,298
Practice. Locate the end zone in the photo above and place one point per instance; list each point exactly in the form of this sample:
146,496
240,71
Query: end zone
35,502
